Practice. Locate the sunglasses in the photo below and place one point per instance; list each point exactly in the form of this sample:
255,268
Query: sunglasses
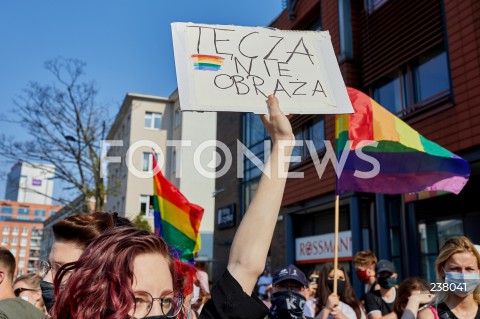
18,291
314,279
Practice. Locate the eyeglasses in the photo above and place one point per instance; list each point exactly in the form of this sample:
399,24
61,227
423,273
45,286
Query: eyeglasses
18,291
314,279
43,268
171,303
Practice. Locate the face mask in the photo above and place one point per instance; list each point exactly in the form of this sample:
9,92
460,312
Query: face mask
340,286
462,284
287,305
387,282
48,294
362,275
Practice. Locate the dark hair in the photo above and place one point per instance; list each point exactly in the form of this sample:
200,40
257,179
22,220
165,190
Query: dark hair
100,285
323,291
82,229
405,291
7,261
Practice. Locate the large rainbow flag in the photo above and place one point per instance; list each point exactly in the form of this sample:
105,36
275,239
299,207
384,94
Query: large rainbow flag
407,161
176,220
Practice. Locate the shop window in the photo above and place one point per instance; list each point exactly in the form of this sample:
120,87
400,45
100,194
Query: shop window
432,236
419,83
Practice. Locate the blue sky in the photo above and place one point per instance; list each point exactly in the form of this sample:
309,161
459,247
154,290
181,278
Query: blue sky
126,44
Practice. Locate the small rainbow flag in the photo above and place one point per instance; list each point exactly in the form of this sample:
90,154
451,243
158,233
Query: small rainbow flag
207,62
176,220
408,161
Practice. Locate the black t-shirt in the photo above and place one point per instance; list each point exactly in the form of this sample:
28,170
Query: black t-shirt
445,313
229,301
375,302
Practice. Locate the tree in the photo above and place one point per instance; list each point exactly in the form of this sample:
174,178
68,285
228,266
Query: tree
66,125
140,222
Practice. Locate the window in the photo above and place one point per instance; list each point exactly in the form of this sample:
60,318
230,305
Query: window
345,30
314,131
7,210
21,263
174,161
372,5
146,205
15,230
23,242
25,231
53,212
147,163
421,82
14,252
254,135
4,241
6,230
177,118
40,212
23,211
153,120
432,236
14,241
22,252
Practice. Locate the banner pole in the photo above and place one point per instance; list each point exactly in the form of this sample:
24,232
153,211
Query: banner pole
335,243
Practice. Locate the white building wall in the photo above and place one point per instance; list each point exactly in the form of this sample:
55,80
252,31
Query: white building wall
31,183
198,170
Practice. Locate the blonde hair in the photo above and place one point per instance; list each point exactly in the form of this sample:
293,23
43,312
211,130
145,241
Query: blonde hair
452,246
365,258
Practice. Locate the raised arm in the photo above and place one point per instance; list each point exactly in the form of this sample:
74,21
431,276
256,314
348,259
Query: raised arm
254,235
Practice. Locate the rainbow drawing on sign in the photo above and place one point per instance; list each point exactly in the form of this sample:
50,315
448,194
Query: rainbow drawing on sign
207,62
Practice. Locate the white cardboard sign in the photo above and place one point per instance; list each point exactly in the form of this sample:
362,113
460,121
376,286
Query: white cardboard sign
232,68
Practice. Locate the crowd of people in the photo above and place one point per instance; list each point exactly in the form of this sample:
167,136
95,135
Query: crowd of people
101,267
454,295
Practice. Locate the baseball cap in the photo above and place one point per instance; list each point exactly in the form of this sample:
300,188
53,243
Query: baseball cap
385,265
290,273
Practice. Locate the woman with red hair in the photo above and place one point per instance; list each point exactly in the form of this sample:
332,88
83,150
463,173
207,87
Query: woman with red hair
126,273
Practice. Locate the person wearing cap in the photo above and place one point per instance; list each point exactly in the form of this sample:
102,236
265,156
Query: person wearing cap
288,294
379,303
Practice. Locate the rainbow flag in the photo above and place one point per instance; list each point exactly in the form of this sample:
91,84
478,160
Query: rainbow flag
207,62
176,220
407,161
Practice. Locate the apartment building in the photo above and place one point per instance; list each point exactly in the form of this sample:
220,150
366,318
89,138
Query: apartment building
30,183
421,60
148,124
21,226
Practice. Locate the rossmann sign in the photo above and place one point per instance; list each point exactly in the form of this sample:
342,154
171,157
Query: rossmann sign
316,249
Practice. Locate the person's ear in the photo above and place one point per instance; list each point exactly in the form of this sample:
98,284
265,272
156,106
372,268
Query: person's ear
2,277
395,275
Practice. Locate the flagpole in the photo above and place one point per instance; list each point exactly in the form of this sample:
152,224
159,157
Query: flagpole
335,243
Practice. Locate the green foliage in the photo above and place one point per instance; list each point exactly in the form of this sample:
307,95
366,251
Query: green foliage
140,222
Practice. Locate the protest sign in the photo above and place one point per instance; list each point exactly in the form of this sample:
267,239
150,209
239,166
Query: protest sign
232,68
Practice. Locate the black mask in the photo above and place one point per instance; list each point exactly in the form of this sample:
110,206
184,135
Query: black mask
387,282
340,286
48,294
287,305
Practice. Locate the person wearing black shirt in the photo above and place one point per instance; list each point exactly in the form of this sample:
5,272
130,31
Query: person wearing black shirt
379,303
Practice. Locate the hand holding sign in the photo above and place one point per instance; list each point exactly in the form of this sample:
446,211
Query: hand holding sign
230,68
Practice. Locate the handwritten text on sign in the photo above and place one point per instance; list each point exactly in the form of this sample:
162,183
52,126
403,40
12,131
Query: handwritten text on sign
230,68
